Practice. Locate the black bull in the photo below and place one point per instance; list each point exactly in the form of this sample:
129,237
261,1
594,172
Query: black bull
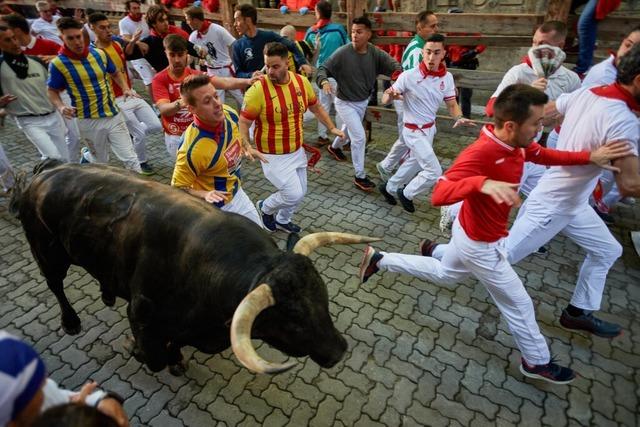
192,274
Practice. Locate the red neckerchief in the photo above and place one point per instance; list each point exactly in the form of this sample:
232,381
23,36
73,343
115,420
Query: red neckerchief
217,130
154,33
440,72
321,23
203,30
616,91
526,60
138,19
64,50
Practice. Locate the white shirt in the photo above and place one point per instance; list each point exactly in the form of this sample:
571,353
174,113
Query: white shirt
423,96
128,27
589,122
47,30
92,35
217,41
603,73
562,81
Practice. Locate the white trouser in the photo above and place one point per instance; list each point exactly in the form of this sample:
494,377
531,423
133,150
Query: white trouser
531,174
72,136
144,70
141,121
106,132
226,72
172,142
327,100
536,224
7,177
288,173
611,194
47,133
422,161
399,149
488,263
242,205
352,114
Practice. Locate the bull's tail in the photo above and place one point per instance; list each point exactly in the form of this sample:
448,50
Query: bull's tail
16,193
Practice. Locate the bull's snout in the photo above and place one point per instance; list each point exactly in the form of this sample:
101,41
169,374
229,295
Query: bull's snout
333,353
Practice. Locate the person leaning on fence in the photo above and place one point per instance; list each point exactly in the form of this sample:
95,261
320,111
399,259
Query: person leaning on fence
355,67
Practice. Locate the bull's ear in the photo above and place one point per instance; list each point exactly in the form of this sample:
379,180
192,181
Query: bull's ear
292,240
142,309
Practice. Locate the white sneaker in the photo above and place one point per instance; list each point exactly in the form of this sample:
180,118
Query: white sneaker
445,219
384,175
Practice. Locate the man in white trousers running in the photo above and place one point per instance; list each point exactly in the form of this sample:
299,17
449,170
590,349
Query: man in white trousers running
486,176
132,25
355,67
277,103
422,90
426,24
560,201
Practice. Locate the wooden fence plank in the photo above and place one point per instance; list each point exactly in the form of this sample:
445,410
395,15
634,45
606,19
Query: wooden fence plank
495,41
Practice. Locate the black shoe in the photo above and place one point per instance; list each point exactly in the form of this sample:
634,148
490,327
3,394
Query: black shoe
383,190
550,372
269,221
605,217
289,227
427,247
369,264
322,141
146,169
588,322
365,184
541,251
337,153
406,203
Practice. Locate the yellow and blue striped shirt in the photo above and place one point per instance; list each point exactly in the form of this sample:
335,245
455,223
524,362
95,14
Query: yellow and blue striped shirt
209,159
88,82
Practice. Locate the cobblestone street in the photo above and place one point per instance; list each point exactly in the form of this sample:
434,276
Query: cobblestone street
419,354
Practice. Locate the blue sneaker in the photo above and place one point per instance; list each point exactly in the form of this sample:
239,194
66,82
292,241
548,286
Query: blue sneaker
83,157
288,228
268,221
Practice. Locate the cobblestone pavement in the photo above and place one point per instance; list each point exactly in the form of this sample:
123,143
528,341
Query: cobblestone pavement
419,354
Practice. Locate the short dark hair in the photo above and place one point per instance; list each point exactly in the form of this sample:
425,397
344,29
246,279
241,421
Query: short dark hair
191,83
362,20
422,16
435,38
153,13
324,9
97,17
127,4
16,21
514,103
74,415
67,23
195,12
248,11
633,30
175,43
276,49
629,66
558,26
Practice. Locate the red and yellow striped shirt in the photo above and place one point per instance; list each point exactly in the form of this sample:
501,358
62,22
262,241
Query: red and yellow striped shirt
278,112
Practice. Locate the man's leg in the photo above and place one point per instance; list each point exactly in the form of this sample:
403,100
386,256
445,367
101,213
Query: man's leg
47,135
242,205
172,142
420,144
96,136
7,177
282,172
352,113
121,143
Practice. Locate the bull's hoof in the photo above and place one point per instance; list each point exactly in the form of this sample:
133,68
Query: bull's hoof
108,300
71,328
178,369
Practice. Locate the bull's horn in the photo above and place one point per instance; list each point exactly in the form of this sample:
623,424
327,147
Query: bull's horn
250,307
310,242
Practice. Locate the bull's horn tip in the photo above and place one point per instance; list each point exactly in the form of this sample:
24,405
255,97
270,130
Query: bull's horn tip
284,367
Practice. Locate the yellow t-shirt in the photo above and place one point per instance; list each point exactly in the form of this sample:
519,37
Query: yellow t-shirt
210,159
278,111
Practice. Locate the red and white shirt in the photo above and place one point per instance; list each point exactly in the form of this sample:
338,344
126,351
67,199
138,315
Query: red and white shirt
488,157
40,46
423,93
592,117
166,87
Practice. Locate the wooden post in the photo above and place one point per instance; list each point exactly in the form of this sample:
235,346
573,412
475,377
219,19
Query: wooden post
355,8
558,10
226,10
